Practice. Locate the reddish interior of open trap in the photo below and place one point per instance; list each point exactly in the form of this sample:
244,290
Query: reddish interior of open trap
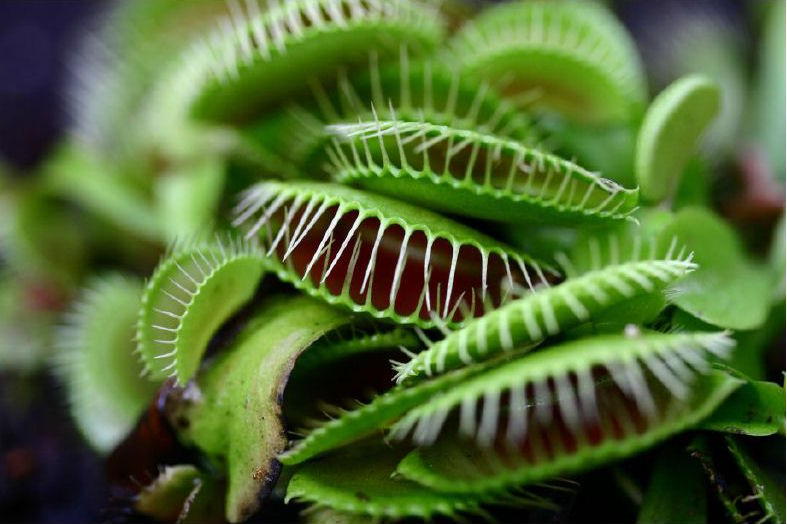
465,283
616,416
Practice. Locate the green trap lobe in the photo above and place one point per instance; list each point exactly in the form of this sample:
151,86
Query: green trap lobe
234,411
669,134
190,295
472,173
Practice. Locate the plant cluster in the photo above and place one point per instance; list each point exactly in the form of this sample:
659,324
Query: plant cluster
415,261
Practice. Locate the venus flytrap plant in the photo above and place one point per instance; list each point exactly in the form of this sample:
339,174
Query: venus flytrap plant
245,437
522,365
261,368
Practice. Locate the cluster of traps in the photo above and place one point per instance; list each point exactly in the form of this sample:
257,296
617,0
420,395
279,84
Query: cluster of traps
418,303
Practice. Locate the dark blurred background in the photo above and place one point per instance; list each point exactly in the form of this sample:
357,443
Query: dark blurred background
36,37
47,474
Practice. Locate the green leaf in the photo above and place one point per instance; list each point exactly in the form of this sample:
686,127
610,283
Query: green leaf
359,480
777,259
756,409
99,187
163,499
41,239
670,132
182,494
727,290
767,115
695,185
236,418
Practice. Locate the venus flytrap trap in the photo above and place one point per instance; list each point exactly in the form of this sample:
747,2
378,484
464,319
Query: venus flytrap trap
573,57
359,480
281,46
380,256
193,291
411,364
381,412
453,465
328,483
572,395
181,493
118,62
219,76
336,345
470,173
288,43
669,134
246,437
539,315
416,88
95,358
